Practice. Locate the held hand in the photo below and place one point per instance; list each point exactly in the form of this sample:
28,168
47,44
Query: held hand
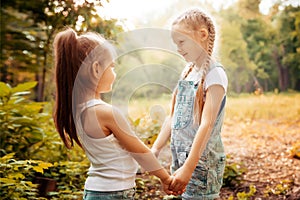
181,178
166,183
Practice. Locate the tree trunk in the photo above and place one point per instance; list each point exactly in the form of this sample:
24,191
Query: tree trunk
43,77
4,73
283,73
266,85
40,78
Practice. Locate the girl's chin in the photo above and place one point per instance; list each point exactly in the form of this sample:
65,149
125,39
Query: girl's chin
105,91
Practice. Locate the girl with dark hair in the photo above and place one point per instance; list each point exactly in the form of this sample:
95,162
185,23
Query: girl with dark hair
84,68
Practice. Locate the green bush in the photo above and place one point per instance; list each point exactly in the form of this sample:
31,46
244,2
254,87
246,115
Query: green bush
233,173
70,178
17,177
28,136
19,120
27,128
247,195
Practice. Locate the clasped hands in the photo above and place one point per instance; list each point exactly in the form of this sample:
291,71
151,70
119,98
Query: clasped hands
177,182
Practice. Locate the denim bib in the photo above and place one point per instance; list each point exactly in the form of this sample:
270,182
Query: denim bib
207,177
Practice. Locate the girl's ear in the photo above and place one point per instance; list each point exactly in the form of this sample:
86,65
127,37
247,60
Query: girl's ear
203,33
96,69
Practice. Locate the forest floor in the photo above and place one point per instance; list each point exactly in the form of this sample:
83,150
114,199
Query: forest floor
264,149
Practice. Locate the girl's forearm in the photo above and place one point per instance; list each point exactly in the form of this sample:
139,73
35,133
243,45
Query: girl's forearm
214,97
198,146
162,174
163,136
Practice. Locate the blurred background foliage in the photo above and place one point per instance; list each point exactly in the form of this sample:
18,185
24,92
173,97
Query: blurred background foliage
258,51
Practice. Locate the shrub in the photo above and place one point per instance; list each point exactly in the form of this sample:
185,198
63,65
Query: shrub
19,120
17,177
233,173
27,128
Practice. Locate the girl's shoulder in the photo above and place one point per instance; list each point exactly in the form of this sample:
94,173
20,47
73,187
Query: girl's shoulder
108,113
105,110
216,75
216,68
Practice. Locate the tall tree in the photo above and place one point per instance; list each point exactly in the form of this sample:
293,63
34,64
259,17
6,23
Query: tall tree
286,49
34,24
259,36
233,51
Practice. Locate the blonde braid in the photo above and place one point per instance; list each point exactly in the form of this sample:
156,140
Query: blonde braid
193,19
199,99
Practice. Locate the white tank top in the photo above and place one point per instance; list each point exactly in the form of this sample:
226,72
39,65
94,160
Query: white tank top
112,168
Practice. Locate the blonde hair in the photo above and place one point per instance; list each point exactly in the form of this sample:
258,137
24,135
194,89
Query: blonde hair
193,20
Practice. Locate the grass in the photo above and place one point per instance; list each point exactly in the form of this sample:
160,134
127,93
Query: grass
283,106
266,106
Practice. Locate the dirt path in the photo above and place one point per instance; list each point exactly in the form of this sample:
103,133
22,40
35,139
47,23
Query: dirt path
263,148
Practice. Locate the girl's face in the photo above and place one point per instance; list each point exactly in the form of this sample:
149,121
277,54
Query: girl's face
188,45
107,79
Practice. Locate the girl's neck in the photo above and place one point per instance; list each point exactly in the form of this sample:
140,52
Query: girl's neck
200,63
201,60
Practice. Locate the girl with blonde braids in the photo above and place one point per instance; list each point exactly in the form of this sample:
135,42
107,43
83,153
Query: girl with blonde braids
198,157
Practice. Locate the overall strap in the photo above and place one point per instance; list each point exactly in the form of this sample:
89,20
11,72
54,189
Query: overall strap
222,105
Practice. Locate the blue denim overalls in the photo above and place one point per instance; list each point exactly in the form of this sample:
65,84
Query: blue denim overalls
207,177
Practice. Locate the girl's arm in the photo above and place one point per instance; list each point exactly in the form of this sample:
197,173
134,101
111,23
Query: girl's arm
163,137
214,96
111,119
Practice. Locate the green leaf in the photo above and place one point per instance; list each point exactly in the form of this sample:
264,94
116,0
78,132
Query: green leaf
5,89
22,87
22,120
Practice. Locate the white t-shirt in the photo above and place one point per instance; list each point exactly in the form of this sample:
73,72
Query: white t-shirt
215,76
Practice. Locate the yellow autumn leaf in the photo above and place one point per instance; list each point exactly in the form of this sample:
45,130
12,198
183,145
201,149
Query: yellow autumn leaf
8,156
45,165
16,176
30,184
295,150
7,181
38,169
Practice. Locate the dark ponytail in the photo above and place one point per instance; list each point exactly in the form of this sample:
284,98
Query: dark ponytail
70,52
67,64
